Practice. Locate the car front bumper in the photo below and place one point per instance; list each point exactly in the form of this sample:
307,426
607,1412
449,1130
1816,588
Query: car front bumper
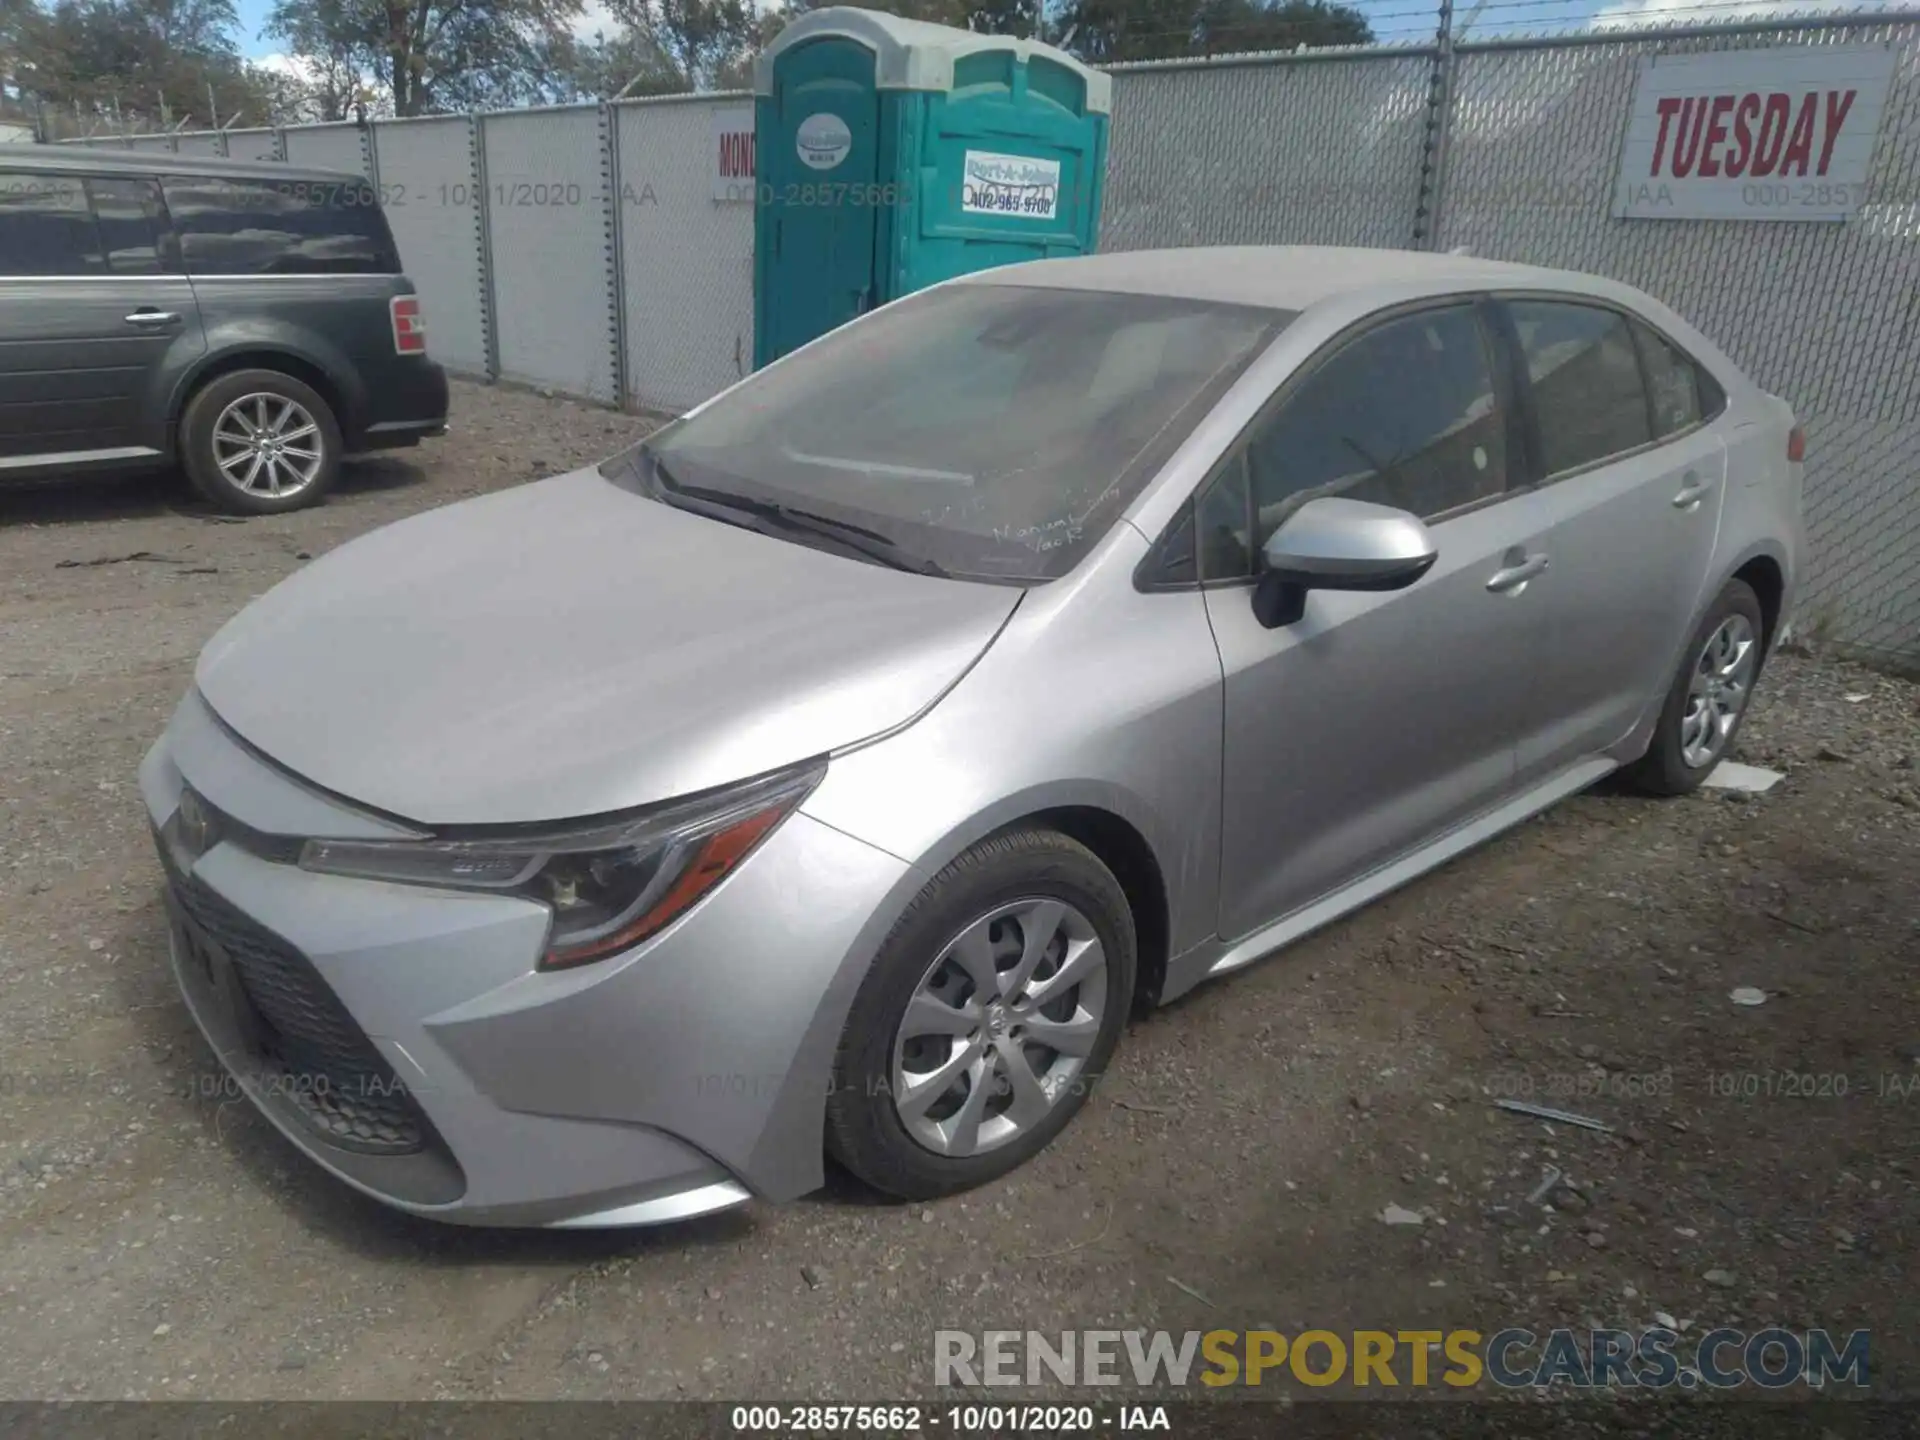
402,1037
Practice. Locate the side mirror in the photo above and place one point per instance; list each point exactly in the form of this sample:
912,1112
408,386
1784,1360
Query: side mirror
1337,544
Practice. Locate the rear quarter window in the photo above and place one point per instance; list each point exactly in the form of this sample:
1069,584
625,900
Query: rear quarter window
279,227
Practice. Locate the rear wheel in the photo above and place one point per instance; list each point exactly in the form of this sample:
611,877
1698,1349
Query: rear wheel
990,1012
260,442
1709,696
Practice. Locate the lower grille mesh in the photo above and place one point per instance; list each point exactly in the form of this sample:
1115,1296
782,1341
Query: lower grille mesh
317,1059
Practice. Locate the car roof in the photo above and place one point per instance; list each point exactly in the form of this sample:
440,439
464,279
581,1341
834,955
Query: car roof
1284,277
98,160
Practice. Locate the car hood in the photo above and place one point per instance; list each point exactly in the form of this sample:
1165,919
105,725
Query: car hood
570,648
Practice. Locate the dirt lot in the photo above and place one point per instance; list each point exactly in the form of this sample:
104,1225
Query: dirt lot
157,1239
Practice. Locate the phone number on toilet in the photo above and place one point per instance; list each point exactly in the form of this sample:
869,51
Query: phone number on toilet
835,192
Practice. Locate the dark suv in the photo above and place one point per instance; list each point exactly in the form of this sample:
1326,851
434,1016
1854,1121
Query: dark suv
248,320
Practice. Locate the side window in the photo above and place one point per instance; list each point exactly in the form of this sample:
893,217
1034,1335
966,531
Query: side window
1673,384
279,227
1405,415
1712,398
1222,522
125,213
46,227
1587,395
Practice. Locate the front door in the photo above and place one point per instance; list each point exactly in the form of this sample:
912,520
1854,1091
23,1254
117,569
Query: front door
91,319
1636,482
819,174
1378,720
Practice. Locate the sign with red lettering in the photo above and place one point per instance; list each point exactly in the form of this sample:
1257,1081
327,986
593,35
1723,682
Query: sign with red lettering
731,131
1784,133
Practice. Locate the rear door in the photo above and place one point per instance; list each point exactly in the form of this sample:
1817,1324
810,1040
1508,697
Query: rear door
95,317
820,192
1635,479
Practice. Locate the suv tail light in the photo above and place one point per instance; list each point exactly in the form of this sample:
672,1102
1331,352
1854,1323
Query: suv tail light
409,325
1796,445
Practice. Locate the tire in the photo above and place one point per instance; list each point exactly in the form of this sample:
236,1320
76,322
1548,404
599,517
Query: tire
206,428
1673,765
996,893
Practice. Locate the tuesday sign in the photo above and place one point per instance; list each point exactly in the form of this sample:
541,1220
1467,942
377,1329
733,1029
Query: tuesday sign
1775,134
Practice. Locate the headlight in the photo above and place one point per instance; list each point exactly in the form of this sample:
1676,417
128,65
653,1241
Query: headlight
610,883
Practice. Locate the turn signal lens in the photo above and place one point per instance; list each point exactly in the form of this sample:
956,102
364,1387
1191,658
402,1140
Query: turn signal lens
700,868
1796,445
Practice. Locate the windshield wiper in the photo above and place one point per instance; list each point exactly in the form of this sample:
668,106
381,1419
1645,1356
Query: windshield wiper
858,538
870,543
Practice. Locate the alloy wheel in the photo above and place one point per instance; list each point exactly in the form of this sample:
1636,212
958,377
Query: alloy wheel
268,444
1717,693
1000,1026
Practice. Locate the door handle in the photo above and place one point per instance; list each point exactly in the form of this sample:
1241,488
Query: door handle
153,317
1692,491
1510,578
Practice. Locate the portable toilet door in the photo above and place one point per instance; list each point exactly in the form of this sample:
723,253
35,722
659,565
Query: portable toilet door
817,155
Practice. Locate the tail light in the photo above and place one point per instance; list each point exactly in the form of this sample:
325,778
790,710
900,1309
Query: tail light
409,325
1796,445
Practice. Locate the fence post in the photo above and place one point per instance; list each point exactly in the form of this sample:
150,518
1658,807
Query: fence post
1433,143
611,178
483,221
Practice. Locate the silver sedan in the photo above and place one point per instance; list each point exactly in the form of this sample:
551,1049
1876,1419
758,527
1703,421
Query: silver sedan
832,774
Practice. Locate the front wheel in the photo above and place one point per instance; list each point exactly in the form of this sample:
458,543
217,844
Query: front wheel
1709,696
260,442
989,1014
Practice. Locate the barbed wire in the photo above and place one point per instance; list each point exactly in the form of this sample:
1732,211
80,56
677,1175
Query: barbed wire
1423,20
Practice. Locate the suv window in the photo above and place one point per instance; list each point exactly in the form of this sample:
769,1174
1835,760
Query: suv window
1404,415
46,226
126,213
1585,375
279,227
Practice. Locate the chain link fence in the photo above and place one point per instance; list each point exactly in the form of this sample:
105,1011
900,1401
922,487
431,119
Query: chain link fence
686,259
581,249
549,220
1826,315
430,188
1318,148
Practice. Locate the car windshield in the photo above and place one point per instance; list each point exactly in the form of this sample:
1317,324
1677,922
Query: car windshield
990,431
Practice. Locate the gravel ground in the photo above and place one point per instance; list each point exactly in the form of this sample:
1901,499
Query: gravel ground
157,1239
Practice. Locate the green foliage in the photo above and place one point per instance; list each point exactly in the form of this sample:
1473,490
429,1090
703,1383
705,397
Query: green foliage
1107,32
153,60
986,17
122,60
432,55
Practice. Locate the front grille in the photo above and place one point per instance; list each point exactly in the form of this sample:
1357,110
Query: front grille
315,1057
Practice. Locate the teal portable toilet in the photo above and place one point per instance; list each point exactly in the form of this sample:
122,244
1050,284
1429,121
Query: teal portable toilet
892,154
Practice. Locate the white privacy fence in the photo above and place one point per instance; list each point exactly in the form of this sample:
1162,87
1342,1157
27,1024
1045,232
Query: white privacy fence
581,248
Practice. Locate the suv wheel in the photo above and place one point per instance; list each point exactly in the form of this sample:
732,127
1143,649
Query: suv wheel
988,1016
1709,697
260,442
